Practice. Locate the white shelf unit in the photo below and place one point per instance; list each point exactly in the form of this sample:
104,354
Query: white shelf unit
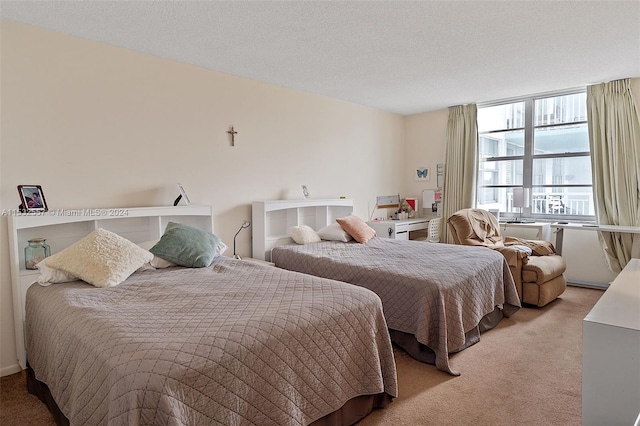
62,228
272,219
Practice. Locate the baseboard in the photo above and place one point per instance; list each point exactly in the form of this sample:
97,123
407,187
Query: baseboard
578,283
12,369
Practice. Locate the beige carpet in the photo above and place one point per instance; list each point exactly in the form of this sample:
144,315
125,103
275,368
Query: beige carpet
526,371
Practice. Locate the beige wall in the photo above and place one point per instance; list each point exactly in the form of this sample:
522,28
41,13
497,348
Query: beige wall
426,136
101,126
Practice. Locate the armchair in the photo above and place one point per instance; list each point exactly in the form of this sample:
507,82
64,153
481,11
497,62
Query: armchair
536,269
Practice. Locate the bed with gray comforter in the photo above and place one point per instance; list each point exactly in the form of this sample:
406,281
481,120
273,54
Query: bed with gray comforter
235,343
441,295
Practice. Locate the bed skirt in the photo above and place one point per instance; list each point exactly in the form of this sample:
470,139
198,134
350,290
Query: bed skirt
353,411
408,342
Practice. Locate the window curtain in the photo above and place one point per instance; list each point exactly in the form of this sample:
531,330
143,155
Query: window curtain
460,160
614,139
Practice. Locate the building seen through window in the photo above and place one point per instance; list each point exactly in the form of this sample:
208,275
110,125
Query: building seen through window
540,143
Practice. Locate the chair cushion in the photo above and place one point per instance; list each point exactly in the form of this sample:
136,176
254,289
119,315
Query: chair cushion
540,269
540,295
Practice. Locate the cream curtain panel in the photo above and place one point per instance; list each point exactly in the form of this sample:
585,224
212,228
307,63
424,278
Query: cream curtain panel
614,139
461,166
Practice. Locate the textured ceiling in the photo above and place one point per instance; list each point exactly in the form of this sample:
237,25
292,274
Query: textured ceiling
403,57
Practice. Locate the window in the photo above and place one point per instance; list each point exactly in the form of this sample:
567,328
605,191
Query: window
540,143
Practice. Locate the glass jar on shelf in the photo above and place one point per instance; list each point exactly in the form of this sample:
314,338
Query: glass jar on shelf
35,252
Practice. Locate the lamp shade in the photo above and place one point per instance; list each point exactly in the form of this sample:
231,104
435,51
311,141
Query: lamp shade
521,197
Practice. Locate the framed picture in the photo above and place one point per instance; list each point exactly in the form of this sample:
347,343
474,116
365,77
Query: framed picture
32,198
183,195
422,173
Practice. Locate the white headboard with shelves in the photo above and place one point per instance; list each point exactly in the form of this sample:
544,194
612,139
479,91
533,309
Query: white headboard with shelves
272,219
62,228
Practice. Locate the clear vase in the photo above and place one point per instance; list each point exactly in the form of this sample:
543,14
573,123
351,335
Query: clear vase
35,252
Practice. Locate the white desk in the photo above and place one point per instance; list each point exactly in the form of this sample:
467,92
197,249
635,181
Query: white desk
398,229
543,228
560,227
611,349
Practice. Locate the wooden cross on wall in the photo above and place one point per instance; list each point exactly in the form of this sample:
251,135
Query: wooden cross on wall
233,135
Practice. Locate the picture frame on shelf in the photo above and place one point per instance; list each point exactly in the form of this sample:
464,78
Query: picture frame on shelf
183,196
32,199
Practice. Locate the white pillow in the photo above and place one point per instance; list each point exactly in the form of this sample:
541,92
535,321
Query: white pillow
222,247
50,276
304,234
334,232
156,262
102,258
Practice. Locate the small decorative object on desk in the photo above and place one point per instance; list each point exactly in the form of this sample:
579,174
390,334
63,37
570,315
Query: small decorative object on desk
35,252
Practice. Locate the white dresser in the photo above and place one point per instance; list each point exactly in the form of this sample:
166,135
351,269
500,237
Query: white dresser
611,353
398,229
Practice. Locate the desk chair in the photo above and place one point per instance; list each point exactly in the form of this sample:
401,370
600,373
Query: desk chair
433,232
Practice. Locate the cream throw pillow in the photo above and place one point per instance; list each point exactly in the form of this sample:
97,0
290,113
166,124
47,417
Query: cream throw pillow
304,234
102,258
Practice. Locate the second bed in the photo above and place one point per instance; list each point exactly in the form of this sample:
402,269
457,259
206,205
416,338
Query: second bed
437,298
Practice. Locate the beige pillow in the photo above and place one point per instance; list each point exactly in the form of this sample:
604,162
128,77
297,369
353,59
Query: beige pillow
304,234
334,232
357,228
102,258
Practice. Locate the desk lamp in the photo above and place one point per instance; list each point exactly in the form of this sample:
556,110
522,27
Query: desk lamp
245,224
520,200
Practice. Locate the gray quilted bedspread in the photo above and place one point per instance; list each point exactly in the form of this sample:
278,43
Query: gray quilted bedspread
234,344
437,292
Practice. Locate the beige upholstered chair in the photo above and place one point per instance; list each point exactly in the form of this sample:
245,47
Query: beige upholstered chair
539,277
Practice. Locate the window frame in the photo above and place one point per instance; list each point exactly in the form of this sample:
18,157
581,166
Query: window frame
529,155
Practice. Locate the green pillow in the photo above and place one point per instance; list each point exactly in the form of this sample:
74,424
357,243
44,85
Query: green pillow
186,245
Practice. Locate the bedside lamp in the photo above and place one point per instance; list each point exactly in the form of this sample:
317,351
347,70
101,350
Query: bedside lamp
520,200
245,224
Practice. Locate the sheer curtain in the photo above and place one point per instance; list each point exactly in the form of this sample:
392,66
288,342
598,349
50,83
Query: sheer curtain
460,160
614,139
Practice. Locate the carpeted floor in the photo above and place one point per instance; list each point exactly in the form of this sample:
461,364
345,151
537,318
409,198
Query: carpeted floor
526,371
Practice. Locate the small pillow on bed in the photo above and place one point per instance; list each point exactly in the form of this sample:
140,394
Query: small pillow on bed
187,246
156,262
102,258
222,247
304,234
334,232
160,263
357,228
50,276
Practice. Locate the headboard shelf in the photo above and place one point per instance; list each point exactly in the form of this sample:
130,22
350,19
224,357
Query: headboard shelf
62,228
272,219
